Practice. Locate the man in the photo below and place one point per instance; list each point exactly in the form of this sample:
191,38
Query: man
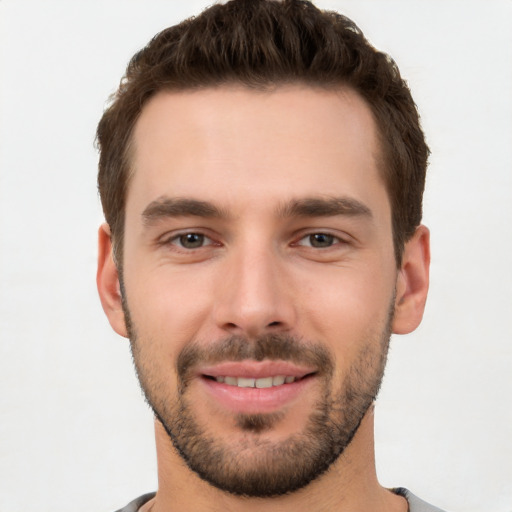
261,173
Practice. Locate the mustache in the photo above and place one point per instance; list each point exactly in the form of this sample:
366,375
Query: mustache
283,347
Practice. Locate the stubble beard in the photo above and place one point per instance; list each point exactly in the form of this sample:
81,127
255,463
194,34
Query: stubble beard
256,466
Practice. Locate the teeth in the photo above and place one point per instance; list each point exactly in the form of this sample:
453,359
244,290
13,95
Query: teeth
263,382
245,383
278,380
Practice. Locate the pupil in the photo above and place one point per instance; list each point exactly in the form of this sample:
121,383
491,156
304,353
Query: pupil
321,240
191,240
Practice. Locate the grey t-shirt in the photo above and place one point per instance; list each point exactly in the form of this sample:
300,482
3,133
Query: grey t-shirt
415,504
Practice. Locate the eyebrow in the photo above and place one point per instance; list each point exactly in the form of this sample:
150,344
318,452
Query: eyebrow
165,207
168,207
325,207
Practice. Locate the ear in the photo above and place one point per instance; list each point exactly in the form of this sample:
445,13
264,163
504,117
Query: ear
107,280
412,283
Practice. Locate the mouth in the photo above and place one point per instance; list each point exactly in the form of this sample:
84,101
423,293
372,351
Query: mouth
253,387
253,382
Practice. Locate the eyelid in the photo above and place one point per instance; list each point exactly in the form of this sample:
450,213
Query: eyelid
172,238
338,239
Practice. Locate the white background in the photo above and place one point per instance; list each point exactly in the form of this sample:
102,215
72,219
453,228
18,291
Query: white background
75,433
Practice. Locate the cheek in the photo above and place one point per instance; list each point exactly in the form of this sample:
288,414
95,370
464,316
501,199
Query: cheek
347,307
167,307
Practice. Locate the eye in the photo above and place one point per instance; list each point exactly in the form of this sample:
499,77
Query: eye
191,240
318,240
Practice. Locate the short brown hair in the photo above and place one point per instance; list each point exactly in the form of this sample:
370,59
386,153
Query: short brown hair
261,44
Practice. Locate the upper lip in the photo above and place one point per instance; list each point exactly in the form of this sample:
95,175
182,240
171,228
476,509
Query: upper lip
255,369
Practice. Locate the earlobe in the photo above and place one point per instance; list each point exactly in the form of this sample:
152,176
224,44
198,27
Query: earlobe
107,280
412,283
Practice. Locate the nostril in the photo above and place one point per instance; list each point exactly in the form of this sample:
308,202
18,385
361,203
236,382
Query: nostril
251,329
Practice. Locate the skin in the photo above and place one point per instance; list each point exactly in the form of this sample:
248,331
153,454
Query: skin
251,155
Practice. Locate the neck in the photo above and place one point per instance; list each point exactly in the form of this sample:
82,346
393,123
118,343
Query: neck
350,484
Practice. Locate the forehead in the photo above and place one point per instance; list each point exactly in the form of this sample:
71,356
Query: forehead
293,140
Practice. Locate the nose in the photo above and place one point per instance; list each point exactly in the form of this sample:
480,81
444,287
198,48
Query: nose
253,296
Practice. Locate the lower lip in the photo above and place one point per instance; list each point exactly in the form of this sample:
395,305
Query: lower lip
256,400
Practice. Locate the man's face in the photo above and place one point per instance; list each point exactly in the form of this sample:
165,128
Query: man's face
258,252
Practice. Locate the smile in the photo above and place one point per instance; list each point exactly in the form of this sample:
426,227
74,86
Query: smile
256,387
260,383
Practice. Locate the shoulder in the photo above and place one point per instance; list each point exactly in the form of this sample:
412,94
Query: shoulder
415,504
134,505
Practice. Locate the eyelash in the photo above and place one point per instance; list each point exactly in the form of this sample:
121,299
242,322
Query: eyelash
332,239
179,239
